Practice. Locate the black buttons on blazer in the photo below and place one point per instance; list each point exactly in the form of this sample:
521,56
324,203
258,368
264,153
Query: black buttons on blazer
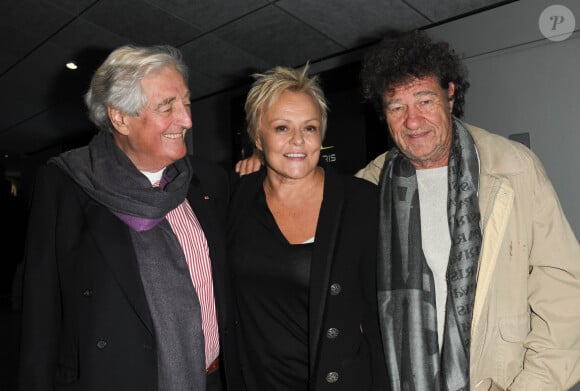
335,289
101,344
88,292
332,377
332,333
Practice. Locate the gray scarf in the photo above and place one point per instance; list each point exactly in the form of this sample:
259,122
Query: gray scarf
109,177
406,291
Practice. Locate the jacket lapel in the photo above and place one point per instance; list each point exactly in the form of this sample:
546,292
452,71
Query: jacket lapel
114,241
496,200
322,258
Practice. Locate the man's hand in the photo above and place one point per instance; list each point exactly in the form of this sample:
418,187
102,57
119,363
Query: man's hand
249,165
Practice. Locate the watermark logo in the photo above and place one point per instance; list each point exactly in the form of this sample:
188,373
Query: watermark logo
557,22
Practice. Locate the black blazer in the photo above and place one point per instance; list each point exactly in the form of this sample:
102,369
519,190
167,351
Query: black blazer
343,294
85,321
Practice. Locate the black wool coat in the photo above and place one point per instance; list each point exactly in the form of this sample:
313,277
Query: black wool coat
345,348
85,322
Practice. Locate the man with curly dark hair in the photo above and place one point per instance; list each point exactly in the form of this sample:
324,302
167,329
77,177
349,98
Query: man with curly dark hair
478,268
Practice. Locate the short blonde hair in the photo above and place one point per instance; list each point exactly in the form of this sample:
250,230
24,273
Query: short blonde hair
270,84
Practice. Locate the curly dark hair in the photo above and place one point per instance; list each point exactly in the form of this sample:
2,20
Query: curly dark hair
404,56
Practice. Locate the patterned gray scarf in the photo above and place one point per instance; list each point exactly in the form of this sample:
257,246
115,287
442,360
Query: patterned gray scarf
109,177
406,290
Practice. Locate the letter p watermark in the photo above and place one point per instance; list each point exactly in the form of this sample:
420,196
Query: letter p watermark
557,19
557,22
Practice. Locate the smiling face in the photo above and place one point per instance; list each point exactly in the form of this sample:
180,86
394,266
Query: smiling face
156,137
289,136
419,117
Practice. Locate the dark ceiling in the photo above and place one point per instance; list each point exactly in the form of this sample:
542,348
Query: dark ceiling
223,42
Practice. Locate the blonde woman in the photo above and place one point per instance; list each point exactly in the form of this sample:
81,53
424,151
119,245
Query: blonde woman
302,243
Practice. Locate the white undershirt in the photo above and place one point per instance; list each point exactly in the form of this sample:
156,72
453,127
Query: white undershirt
154,177
436,241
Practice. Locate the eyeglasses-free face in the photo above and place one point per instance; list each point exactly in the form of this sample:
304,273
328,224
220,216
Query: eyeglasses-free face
418,114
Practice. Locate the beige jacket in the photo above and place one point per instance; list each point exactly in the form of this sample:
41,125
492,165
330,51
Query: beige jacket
526,318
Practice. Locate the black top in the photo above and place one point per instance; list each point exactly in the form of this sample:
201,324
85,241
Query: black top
316,325
271,286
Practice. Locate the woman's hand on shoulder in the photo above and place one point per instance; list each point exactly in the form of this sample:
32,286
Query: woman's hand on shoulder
249,165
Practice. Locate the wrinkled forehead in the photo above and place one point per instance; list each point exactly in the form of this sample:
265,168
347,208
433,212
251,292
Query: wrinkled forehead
413,85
